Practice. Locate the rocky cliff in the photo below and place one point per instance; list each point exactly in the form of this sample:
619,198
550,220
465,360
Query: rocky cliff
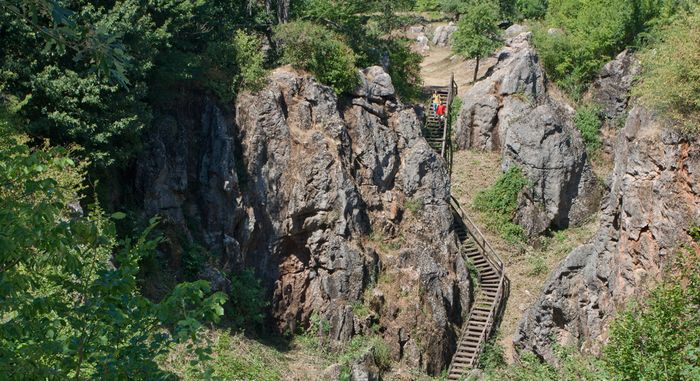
336,203
512,110
611,93
653,199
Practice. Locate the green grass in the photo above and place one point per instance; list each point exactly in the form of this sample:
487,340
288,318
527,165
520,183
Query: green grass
414,205
538,266
587,120
499,202
233,357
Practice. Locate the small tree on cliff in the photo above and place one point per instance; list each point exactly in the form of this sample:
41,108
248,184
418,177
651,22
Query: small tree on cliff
477,32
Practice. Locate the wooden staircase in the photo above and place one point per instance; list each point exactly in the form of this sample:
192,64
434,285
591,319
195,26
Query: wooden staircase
493,286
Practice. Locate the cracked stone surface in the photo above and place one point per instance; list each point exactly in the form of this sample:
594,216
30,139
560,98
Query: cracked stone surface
311,192
653,199
511,111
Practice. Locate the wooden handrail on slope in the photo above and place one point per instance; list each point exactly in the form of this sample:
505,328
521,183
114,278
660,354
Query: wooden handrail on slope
485,251
477,236
497,264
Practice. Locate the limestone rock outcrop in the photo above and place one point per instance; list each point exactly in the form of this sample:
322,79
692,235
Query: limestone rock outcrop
442,34
512,111
611,92
653,200
335,203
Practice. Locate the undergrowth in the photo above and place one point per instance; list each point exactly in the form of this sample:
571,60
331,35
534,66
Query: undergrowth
588,122
499,202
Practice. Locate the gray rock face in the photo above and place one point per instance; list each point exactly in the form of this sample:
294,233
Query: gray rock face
654,198
515,30
422,44
512,111
442,34
312,193
611,91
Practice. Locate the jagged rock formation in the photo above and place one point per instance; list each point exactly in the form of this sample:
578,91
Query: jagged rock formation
654,198
442,34
611,92
511,110
336,203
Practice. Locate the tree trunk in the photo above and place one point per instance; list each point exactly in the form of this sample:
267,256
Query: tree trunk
476,69
283,11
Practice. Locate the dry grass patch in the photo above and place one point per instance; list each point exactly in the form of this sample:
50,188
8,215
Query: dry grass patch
527,267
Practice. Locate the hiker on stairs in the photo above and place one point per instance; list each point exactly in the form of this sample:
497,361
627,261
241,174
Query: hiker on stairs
441,109
436,101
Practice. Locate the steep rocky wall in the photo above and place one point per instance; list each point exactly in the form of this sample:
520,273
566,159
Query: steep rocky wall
511,110
611,93
653,199
334,202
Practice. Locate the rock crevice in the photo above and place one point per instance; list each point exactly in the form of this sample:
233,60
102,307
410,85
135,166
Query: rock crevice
311,191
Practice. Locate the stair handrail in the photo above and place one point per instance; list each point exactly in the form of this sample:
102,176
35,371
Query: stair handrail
486,331
477,235
446,120
461,339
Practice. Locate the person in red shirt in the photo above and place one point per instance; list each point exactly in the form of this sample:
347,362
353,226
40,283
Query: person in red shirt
441,111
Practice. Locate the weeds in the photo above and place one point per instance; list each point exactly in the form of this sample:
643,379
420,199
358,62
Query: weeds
499,202
414,205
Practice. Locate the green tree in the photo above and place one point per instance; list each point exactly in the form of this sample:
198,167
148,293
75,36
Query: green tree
315,48
477,32
670,79
70,306
659,338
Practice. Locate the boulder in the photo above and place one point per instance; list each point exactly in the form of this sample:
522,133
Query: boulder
422,44
515,30
653,200
511,111
442,34
611,92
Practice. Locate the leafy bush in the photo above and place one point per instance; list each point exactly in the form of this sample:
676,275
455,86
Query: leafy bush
493,356
592,32
499,202
360,345
531,9
427,5
657,339
538,266
250,60
404,69
319,50
230,357
572,366
70,294
248,300
671,73
587,120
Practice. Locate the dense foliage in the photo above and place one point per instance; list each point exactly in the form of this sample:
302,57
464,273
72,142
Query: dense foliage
655,338
366,28
589,33
671,72
499,202
477,34
70,306
587,120
659,338
317,49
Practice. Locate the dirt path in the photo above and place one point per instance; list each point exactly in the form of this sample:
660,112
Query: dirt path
440,62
